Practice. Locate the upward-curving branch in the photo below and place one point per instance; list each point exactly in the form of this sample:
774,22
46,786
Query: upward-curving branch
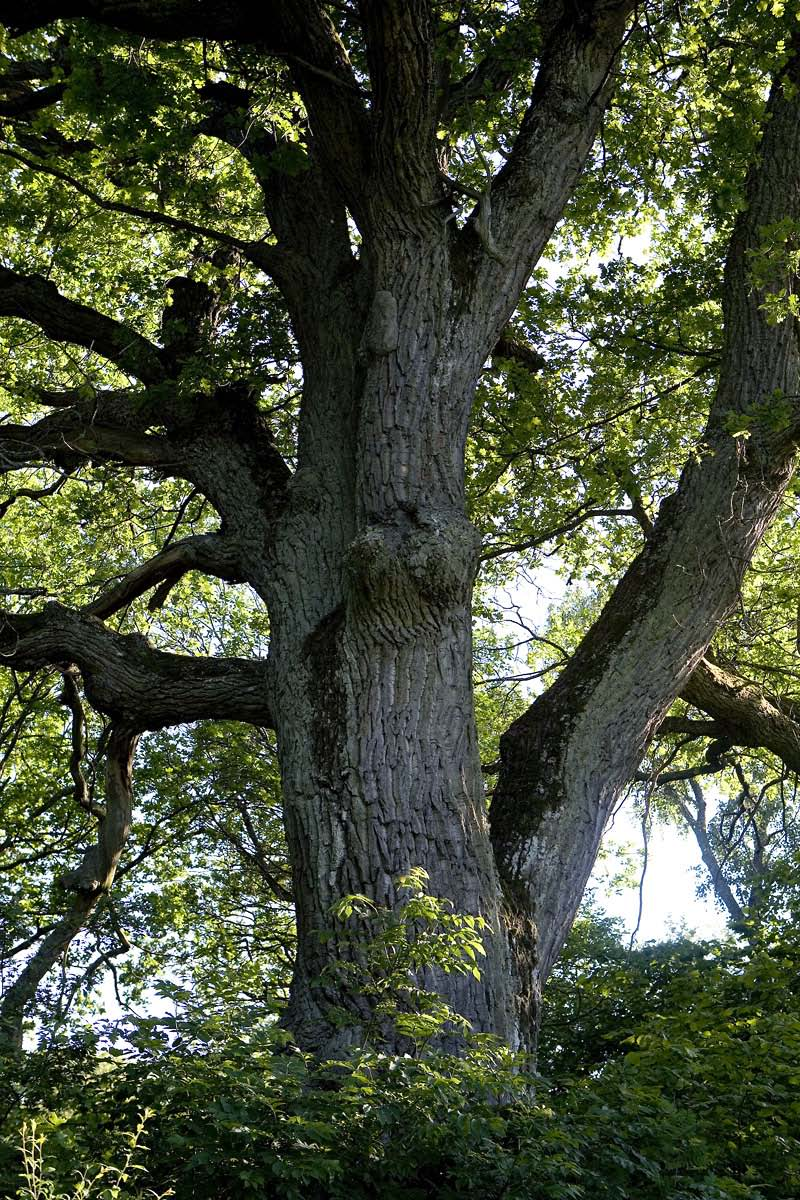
566,760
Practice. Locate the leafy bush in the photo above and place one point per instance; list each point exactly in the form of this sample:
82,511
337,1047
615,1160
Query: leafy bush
700,1100
100,1181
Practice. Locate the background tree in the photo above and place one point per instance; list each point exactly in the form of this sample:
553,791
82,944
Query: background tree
267,260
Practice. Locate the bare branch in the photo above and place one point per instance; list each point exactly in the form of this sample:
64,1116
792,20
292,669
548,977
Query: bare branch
28,493
748,716
127,679
696,820
547,535
255,853
72,698
716,762
210,553
27,942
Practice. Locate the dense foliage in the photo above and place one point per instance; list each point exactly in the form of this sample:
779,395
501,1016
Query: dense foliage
671,1074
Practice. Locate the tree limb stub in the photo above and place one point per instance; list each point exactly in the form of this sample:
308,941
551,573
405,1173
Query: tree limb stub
517,351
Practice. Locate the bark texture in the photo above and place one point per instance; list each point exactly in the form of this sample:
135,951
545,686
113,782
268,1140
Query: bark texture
565,761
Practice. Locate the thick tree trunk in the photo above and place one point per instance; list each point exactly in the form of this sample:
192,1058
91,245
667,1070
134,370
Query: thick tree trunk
367,564
369,599
365,557
381,775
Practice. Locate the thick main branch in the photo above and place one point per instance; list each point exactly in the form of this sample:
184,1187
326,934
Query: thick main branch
521,206
130,681
566,761
34,298
743,712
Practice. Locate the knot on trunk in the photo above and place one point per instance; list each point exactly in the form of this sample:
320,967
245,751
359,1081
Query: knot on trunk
382,330
85,879
414,558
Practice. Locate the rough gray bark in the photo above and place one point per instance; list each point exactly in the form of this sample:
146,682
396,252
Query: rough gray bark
565,761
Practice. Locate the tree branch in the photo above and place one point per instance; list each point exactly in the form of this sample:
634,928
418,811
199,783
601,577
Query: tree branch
91,880
566,760
401,49
697,823
127,679
259,252
305,213
29,493
33,298
691,728
748,716
25,100
297,30
179,19
529,193
495,71
68,440
547,535
71,697
210,553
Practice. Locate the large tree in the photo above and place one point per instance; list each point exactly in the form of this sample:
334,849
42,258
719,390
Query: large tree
266,254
